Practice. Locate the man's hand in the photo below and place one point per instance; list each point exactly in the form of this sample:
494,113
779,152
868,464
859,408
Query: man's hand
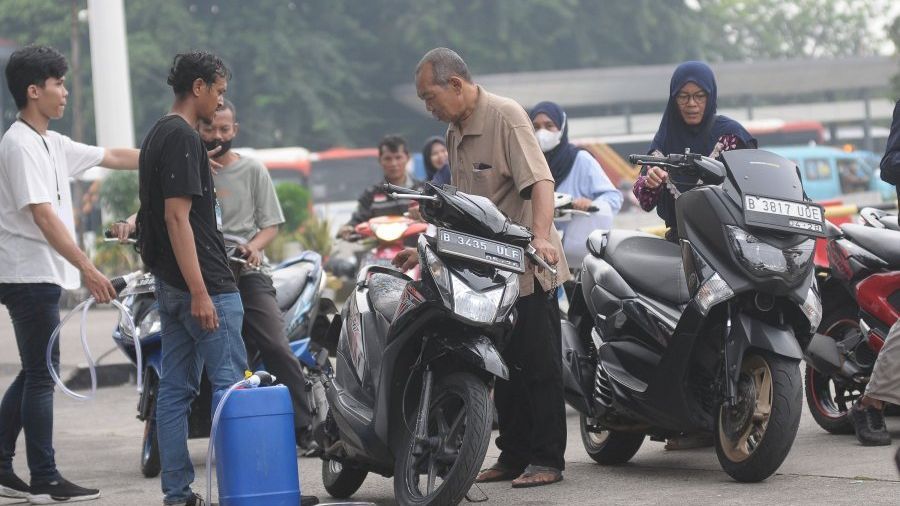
100,287
346,231
656,176
250,253
582,204
122,230
204,311
214,166
546,251
406,259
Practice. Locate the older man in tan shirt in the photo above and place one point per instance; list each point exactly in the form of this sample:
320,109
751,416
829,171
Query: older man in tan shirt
494,153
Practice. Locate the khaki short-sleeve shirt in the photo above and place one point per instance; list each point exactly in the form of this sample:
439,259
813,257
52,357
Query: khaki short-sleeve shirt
496,155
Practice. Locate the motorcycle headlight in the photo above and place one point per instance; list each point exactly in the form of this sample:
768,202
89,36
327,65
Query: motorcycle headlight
151,324
713,291
440,273
812,308
473,305
389,232
763,259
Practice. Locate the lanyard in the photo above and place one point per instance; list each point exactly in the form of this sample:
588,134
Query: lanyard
50,155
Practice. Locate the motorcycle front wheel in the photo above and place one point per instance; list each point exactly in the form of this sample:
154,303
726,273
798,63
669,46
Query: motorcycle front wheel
754,436
441,470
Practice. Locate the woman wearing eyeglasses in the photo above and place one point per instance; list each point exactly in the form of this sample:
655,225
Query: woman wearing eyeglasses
690,121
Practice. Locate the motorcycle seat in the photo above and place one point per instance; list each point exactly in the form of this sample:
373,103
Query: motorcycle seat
648,263
385,291
883,243
289,283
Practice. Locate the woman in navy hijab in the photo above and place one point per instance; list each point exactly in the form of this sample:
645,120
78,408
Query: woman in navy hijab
690,121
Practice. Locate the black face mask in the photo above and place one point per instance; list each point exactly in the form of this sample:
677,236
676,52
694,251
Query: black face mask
213,144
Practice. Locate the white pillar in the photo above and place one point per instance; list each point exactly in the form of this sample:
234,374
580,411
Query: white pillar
112,86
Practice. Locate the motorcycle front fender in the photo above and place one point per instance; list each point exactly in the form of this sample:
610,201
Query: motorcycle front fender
480,352
748,333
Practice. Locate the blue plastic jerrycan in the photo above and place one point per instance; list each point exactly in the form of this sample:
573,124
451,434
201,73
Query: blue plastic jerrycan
256,455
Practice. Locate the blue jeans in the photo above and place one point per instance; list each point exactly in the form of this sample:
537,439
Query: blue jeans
28,402
186,348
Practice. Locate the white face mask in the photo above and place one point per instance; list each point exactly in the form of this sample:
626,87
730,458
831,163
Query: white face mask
548,140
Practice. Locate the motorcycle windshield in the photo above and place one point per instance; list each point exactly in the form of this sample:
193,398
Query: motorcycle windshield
771,193
764,174
482,217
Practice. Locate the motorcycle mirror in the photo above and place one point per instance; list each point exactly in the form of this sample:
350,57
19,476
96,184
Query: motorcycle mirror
711,171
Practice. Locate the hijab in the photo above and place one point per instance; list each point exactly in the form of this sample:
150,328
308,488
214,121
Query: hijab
431,170
562,157
674,135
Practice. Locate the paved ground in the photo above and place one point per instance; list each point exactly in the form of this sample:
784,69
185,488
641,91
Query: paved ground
97,445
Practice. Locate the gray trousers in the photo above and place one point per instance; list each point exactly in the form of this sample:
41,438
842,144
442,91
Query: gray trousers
885,382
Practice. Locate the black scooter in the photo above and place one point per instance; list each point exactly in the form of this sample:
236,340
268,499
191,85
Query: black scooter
416,359
704,335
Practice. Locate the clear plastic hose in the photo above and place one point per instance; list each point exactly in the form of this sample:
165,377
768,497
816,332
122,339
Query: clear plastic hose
84,307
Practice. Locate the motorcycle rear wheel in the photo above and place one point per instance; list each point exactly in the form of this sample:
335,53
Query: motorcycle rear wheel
754,437
827,400
459,431
609,447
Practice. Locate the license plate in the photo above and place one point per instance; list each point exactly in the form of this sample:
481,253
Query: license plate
498,254
798,217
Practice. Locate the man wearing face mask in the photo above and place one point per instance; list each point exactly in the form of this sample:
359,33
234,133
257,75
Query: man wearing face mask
250,210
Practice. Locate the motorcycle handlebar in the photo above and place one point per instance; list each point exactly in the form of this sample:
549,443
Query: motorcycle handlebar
392,188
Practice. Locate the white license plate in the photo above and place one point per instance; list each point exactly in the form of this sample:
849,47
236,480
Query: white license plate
782,208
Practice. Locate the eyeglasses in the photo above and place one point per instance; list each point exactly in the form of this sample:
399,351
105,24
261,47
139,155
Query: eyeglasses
699,98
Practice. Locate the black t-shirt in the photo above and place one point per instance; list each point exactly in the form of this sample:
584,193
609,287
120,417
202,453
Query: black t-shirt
173,163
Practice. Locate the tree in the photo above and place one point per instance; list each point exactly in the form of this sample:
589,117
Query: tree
765,29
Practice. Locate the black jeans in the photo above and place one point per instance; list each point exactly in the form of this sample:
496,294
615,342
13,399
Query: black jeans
28,402
531,408
263,331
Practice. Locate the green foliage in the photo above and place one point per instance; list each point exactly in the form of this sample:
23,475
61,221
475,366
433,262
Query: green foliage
319,73
295,203
800,28
315,235
119,194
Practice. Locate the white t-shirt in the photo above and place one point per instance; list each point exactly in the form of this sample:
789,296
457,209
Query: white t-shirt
29,174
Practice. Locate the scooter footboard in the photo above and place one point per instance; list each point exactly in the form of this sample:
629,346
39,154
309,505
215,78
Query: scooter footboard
577,369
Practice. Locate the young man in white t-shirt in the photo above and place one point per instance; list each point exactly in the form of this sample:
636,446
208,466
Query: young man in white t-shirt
39,258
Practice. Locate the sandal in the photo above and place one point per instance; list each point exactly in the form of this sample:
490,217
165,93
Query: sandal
495,473
537,476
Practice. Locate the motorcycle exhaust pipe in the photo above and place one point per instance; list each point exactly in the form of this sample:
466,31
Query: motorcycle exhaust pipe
824,355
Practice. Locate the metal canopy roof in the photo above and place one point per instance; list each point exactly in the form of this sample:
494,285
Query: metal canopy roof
642,84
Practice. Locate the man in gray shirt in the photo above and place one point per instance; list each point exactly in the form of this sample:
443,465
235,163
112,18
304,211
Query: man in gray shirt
250,210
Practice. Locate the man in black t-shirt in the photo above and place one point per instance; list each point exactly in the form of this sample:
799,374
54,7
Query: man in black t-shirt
180,240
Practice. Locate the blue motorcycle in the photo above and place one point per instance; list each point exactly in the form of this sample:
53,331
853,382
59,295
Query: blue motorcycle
298,287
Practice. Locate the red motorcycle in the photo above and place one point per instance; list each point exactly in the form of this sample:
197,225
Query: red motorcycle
860,291
391,233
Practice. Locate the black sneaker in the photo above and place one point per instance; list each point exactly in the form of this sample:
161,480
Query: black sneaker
308,500
60,490
197,500
869,426
12,486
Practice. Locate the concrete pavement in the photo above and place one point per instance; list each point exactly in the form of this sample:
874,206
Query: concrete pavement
97,444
